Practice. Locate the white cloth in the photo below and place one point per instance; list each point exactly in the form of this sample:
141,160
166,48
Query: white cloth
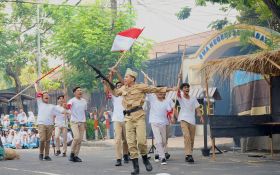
31,117
159,109
45,113
60,119
78,109
4,140
187,111
22,118
160,135
118,109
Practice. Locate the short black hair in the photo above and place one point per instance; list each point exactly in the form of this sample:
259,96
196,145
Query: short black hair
75,88
160,86
184,85
60,97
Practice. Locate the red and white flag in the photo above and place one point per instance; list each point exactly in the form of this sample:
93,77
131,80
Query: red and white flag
125,39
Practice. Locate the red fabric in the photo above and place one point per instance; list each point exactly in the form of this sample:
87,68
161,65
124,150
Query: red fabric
131,33
68,106
96,124
170,114
39,94
108,95
179,94
107,123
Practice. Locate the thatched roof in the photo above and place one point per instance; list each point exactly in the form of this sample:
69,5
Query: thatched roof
263,63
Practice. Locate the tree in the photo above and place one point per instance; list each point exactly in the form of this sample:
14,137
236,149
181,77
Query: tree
86,34
18,40
254,12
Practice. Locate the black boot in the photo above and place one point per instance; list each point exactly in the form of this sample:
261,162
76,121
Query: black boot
125,158
71,158
147,163
135,166
119,162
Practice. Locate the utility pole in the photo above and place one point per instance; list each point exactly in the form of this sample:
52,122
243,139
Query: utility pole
38,42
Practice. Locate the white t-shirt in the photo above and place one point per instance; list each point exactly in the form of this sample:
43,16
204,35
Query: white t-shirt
188,106
22,118
159,109
78,109
60,119
118,109
45,113
31,117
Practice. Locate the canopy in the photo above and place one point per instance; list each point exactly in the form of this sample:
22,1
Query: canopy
265,63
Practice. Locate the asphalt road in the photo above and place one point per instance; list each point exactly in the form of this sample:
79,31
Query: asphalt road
99,161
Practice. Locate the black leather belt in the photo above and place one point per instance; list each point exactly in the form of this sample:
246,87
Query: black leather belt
128,112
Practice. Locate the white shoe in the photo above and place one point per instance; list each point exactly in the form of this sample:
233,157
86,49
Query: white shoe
156,158
163,161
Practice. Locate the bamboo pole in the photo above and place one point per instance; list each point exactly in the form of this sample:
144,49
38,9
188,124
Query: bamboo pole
119,61
179,79
65,91
273,63
207,112
270,111
43,76
146,75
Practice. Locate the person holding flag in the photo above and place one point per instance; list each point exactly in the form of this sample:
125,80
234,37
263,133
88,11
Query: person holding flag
133,99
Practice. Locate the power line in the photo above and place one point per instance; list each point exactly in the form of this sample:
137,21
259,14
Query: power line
42,3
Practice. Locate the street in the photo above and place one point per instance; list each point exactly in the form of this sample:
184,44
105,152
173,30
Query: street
100,160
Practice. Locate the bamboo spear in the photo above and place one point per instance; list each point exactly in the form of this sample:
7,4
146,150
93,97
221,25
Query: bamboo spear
43,76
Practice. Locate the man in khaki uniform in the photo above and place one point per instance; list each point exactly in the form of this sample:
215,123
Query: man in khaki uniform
133,100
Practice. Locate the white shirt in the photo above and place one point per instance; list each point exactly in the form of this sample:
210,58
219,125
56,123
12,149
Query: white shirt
118,109
60,119
159,109
78,109
187,111
45,113
22,118
31,117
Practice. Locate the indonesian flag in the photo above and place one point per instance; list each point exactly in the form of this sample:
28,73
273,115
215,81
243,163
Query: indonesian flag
125,39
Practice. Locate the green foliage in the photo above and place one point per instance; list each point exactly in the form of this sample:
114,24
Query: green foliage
90,129
90,133
86,34
219,24
184,13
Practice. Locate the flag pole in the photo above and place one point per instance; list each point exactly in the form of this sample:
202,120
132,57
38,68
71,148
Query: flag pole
43,76
179,79
119,61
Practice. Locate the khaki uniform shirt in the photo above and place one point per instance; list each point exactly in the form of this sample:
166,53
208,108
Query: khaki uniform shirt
134,96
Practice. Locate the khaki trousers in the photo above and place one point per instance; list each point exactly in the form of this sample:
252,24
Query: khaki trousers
160,135
120,139
45,134
78,130
58,131
189,133
136,137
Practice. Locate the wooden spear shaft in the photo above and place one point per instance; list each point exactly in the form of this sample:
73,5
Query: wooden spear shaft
46,74
179,77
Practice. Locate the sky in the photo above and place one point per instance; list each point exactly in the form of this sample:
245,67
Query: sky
159,19
161,24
